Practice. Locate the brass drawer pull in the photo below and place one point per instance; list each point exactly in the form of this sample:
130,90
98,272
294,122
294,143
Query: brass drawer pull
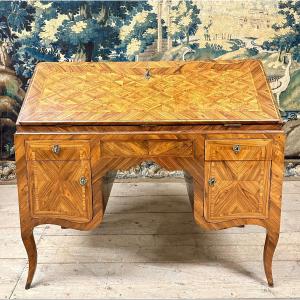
83,181
56,149
212,181
236,149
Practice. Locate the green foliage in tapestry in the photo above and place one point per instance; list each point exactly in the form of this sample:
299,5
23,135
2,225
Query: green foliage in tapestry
184,21
289,41
66,30
138,30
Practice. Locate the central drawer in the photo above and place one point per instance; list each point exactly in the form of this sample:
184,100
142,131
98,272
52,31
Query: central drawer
179,148
238,149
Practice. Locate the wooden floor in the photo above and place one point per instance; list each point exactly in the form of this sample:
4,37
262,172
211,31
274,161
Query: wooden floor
149,247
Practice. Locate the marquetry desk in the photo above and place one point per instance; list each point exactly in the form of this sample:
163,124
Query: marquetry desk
216,121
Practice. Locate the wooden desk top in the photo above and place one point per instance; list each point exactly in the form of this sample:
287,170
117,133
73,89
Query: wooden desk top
197,92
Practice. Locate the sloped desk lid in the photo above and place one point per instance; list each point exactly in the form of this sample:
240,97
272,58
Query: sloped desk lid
197,92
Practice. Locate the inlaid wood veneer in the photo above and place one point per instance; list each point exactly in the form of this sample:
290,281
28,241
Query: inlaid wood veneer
216,121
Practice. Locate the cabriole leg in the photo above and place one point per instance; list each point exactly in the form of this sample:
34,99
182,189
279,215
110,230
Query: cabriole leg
269,249
30,246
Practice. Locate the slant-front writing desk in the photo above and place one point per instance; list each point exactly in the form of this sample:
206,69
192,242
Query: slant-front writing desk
217,121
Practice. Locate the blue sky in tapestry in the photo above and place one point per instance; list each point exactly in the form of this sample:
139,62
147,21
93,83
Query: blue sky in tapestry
33,31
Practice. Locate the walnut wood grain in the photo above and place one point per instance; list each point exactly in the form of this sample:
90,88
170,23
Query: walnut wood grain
26,223
200,111
171,148
147,147
101,165
55,189
249,149
241,190
231,127
66,150
176,93
30,246
120,148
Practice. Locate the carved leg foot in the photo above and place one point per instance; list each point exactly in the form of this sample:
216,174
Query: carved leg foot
30,246
270,245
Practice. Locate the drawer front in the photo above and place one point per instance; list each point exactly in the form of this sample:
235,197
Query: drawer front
179,148
236,189
57,150
238,149
60,189
124,148
171,148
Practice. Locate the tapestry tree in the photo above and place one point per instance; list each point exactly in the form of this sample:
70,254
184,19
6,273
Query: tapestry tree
185,21
287,37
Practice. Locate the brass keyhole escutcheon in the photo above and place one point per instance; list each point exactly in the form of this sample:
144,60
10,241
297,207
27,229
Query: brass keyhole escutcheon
56,149
83,180
147,74
236,149
212,181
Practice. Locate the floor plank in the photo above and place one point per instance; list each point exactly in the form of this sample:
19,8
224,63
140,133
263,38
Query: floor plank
291,187
151,188
160,280
143,203
156,248
11,245
150,247
8,198
10,271
9,209
291,202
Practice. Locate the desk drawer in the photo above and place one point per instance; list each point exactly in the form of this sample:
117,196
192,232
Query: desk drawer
179,148
238,149
57,150
124,148
236,190
61,189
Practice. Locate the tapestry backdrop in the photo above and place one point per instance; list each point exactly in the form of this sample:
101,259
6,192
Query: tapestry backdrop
33,31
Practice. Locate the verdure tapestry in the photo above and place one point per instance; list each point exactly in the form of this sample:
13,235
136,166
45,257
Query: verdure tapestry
35,31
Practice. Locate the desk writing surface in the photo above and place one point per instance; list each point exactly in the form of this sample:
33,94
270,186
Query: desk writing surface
197,92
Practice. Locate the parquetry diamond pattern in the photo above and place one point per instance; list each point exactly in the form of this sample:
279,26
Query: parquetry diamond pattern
176,92
56,189
241,189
